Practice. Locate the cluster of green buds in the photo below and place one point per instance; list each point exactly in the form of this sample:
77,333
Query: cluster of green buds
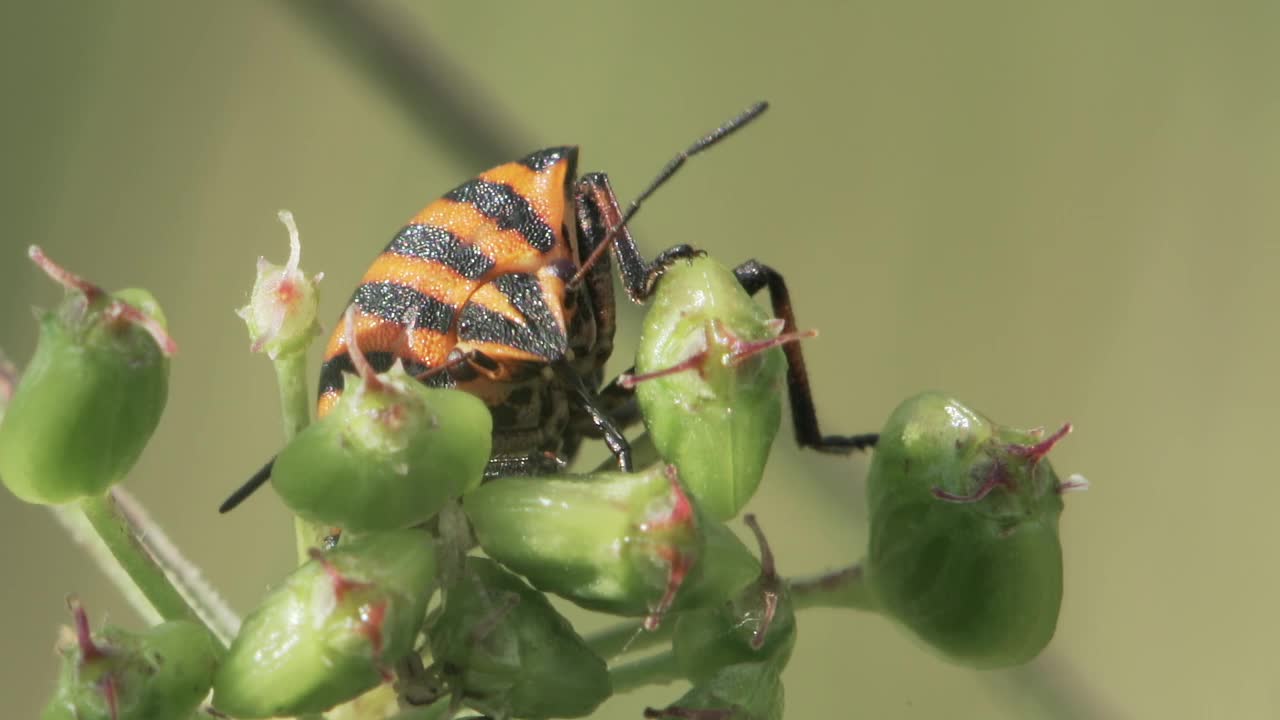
90,397
963,552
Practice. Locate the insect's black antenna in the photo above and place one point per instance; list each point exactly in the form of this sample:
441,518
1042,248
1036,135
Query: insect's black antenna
244,491
715,136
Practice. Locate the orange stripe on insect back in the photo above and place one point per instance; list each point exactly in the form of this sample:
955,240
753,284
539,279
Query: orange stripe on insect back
544,190
375,334
491,298
507,248
500,352
431,278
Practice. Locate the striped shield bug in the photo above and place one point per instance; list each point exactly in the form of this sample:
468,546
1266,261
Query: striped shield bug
503,288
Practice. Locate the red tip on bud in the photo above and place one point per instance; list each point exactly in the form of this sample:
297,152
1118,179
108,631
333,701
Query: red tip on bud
341,584
63,276
678,563
1042,448
89,650
769,574
118,312
732,351
122,312
997,478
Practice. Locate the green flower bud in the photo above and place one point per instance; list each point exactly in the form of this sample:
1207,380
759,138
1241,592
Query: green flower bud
746,691
331,630
964,544
117,675
709,377
623,543
90,397
757,623
281,313
503,650
390,454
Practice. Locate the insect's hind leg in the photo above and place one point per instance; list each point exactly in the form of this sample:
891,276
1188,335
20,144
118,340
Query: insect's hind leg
755,276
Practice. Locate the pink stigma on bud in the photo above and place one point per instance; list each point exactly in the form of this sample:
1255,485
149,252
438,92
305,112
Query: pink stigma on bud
341,585
63,276
122,312
1042,448
997,478
358,360
89,650
678,563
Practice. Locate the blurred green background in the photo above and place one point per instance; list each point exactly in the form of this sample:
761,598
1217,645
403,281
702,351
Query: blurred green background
1055,211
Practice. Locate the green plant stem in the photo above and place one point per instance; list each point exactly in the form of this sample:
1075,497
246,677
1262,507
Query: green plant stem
119,537
295,407
845,588
295,401
629,637
73,520
659,669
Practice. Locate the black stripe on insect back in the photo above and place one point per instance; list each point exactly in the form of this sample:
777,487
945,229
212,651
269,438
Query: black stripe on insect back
331,370
544,159
509,208
402,304
539,334
428,242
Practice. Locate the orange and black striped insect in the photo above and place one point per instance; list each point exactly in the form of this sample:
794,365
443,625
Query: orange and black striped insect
503,288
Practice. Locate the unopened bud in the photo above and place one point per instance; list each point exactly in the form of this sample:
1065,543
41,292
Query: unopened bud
91,396
502,649
708,379
964,547
331,630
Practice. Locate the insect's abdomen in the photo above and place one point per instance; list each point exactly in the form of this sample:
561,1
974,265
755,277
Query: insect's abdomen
509,219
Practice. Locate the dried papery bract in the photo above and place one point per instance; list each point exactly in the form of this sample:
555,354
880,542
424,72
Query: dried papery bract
91,396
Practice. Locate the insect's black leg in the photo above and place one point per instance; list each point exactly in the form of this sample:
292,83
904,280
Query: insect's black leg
618,403
590,404
242,493
754,276
598,216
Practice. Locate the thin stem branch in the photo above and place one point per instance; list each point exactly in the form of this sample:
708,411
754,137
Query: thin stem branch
295,408
381,41
845,588
77,525
119,537
628,637
660,669
189,580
